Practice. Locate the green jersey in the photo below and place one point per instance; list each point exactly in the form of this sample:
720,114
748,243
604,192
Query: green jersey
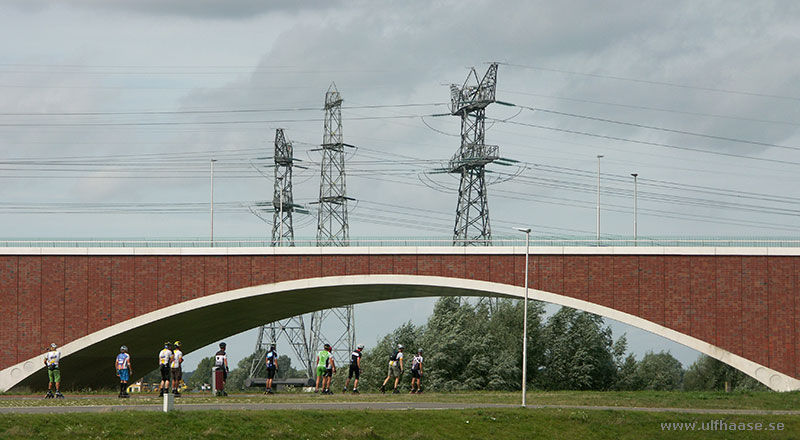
324,357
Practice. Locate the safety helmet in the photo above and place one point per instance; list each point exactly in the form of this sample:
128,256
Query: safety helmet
400,346
167,344
360,346
123,349
177,343
272,346
53,346
326,346
222,345
419,351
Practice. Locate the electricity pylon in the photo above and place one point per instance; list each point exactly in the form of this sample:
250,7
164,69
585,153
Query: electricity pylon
333,229
472,227
293,329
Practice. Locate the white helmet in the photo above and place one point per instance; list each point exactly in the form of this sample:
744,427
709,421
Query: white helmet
360,346
400,346
53,346
123,349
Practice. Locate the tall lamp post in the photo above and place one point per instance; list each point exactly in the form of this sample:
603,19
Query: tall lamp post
212,201
527,232
635,209
599,156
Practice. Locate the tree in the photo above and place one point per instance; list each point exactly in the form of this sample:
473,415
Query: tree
237,376
579,354
708,374
375,362
201,374
626,375
659,372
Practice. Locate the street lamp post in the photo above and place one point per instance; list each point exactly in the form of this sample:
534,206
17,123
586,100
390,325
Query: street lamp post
599,156
212,201
635,209
527,232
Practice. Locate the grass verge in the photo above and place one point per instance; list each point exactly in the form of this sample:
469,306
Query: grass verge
649,399
406,424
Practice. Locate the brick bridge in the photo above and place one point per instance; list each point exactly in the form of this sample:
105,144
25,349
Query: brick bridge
739,305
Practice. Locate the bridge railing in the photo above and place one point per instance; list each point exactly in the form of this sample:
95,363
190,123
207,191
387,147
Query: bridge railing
536,241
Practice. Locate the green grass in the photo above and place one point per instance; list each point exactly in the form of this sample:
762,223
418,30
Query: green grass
407,424
653,399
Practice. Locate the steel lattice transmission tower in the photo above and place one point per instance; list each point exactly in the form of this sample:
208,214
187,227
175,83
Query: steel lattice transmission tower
469,102
332,227
293,329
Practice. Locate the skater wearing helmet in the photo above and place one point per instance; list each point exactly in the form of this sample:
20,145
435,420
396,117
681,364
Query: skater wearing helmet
164,359
272,367
355,368
124,370
416,372
395,369
221,363
323,360
51,359
175,368
329,371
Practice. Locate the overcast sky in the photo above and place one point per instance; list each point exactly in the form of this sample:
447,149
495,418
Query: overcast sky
124,102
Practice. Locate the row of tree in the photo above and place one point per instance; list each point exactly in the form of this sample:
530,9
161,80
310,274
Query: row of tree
467,347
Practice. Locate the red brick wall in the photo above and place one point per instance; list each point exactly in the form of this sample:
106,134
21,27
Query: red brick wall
9,267
746,304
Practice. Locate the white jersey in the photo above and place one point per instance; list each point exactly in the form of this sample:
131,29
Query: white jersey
220,359
52,358
416,362
397,362
177,357
164,356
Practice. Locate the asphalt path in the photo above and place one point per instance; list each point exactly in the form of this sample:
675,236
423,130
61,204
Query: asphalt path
380,406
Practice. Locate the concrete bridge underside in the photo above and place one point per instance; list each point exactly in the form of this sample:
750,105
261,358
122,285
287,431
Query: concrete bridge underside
87,361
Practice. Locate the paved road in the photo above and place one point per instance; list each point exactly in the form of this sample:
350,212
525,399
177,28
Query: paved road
386,406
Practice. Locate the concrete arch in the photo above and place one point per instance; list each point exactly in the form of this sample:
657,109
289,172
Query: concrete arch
87,361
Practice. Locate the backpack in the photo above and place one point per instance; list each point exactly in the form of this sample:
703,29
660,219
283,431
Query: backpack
393,357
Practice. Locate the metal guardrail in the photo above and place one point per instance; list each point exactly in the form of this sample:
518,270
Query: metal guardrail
536,241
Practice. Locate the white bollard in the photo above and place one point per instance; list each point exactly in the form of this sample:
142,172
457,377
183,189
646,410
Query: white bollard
169,402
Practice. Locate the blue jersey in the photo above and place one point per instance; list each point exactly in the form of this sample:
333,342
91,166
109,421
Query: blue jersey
123,360
271,358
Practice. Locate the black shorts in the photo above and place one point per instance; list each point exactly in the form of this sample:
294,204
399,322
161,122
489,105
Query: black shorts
164,372
177,375
270,373
328,372
354,371
415,374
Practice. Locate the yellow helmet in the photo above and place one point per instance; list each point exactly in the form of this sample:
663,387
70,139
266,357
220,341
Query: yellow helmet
177,343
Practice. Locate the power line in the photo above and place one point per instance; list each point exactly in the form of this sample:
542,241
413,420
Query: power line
654,144
650,127
202,112
172,123
655,109
658,83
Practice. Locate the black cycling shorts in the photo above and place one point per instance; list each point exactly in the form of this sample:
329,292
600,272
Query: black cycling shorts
328,372
354,371
271,373
415,374
164,372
